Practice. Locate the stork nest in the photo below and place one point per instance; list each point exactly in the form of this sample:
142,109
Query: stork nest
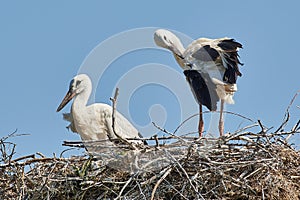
243,165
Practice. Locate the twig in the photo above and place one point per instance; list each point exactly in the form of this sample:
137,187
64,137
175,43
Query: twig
40,154
114,108
123,188
23,157
185,173
13,134
34,160
159,182
169,133
245,128
287,113
296,127
261,126
227,112
156,140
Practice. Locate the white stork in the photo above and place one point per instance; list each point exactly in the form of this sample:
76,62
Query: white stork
93,122
211,67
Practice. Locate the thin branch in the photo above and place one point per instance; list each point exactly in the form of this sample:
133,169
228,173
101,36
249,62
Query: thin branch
205,112
114,108
159,182
287,113
169,133
123,188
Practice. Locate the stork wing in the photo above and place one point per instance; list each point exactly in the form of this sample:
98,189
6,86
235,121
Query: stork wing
110,131
206,54
122,127
204,90
223,51
230,59
68,117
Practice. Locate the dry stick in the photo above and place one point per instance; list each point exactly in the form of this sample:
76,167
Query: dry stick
185,173
114,106
263,130
23,157
140,189
34,160
12,152
252,173
40,154
293,130
285,121
240,163
184,121
154,137
13,134
227,112
156,140
159,182
287,113
237,136
296,127
245,128
169,133
64,151
123,188
47,178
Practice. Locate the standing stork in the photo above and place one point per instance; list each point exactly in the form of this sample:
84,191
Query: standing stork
93,122
211,67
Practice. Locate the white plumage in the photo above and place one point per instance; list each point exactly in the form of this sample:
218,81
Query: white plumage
93,122
210,66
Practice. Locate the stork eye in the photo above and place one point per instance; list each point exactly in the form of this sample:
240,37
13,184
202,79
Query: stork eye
165,38
77,83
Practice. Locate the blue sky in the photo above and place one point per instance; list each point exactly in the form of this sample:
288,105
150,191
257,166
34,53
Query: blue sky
44,44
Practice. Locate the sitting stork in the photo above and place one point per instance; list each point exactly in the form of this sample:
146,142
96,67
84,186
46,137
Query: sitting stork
94,122
211,67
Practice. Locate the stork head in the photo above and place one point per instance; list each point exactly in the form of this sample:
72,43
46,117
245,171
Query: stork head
79,84
168,40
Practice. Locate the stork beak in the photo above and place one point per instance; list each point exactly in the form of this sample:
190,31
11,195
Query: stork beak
69,96
176,51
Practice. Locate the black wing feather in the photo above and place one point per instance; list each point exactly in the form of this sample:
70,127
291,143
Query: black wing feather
229,45
206,53
232,59
203,88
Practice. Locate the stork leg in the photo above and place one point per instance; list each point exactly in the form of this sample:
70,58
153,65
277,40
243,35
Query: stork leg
221,121
201,124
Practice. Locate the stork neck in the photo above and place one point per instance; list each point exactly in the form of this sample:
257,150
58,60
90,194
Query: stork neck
180,59
80,100
180,47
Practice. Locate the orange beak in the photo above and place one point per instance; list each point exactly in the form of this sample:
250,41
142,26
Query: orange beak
69,96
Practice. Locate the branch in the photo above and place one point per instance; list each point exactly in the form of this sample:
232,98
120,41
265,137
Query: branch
169,133
287,113
227,112
114,108
159,182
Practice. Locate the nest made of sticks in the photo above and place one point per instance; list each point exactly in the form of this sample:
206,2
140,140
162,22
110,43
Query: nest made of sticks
243,165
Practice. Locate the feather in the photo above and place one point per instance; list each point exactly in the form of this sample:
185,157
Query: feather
203,88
